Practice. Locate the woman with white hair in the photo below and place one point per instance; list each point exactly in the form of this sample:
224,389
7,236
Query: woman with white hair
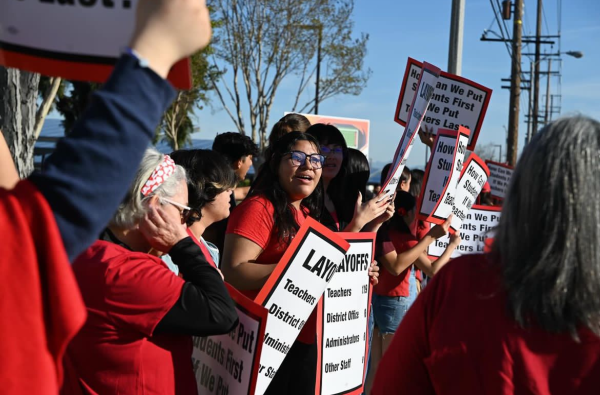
524,319
141,316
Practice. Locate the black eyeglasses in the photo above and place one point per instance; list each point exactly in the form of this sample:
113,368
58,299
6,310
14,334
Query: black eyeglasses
335,150
299,158
185,211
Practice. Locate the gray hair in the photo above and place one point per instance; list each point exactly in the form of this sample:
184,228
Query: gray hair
132,209
548,238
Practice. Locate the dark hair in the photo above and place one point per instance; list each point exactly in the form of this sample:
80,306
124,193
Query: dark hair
547,240
267,184
416,179
234,146
357,174
329,134
406,201
209,174
289,123
405,176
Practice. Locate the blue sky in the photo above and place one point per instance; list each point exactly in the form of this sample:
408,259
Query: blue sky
419,29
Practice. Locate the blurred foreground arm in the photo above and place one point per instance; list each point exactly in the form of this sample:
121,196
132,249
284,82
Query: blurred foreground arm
89,173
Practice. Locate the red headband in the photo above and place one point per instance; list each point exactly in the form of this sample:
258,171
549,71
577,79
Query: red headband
159,175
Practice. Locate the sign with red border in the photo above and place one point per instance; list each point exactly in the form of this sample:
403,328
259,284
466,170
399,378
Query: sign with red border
500,174
474,175
230,363
418,107
76,40
292,291
456,101
442,174
343,321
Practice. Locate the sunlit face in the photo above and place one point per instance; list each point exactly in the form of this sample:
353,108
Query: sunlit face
219,208
244,167
299,181
333,163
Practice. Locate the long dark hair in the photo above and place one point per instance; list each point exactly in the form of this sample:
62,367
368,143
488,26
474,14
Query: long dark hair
267,184
548,238
288,123
404,203
329,134
357,174
209,174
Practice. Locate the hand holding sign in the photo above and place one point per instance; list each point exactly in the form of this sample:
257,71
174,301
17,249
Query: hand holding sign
167,31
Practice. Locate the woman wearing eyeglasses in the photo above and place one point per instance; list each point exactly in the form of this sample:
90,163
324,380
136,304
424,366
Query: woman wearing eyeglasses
288,189
137,336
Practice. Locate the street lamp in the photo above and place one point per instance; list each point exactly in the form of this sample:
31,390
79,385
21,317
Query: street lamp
319,28
500,154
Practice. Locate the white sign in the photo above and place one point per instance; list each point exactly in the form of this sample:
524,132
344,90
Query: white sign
442,174
470,184
475,230
425,88
456,101
293,291
499,179
344,320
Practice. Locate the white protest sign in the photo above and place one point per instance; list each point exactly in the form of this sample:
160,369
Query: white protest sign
228,364
456,101
476,229
442,174
499,179
425,88
471,182
343,320
293,291
74,39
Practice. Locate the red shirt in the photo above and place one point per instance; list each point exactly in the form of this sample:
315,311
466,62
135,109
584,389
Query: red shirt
126,295
253,219
390,285
458,338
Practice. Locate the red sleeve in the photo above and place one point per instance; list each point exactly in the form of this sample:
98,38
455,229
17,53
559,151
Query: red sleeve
140,291
383,243
402,369
253,219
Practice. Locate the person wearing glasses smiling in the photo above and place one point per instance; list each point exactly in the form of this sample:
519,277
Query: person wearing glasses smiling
287,190
141,317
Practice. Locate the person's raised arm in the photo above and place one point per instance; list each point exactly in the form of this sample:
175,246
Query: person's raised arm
90,172
430,268
8,172
237,265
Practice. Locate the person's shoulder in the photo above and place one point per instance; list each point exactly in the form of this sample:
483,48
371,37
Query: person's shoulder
468,270
110,255
256,202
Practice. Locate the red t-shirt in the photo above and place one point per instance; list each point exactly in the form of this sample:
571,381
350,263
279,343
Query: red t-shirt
126,295
253,219
458,338
390,285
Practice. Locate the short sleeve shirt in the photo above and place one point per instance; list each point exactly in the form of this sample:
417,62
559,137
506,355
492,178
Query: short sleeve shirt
390,285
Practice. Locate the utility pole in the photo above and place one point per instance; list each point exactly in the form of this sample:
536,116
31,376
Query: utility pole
548,109
512,141
456,37
319,43
536,71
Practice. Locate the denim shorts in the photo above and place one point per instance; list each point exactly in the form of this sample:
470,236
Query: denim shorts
388,311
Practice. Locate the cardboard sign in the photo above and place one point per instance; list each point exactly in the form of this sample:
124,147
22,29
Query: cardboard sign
228,364
500,175
355,131
474,175
456,101
476,232
293,290
442,174
425,87
343,320
72,39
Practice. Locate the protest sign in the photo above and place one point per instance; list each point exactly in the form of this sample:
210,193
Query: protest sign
343,320
73,39
499,179
456,101
425,87
228,364
476,232
442,174
293,290
355,131
475,174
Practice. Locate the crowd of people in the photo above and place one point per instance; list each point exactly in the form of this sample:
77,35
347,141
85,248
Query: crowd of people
116,255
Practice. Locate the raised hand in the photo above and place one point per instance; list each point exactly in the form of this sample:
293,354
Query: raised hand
162,230
441,230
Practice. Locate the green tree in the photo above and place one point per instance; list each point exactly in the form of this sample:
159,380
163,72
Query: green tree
262,42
